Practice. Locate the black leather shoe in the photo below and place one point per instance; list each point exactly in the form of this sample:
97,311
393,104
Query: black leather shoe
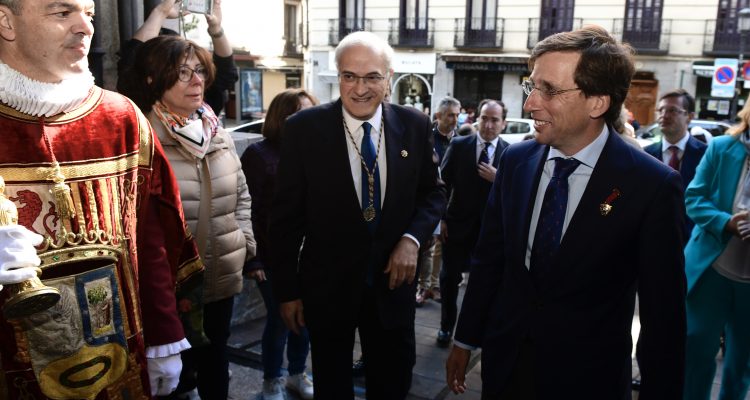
443,338
358,368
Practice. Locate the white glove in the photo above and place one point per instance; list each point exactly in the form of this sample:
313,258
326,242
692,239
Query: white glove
18,259
164,374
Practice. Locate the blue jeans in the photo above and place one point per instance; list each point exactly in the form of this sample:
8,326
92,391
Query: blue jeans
276,335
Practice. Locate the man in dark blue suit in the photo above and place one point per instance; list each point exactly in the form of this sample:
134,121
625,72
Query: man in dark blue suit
576,221
468,170
357,183
678,148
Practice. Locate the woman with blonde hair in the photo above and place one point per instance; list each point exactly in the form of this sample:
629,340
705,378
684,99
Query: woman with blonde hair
259,163
717,266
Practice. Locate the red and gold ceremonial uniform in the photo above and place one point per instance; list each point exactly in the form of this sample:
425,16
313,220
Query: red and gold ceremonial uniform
116,260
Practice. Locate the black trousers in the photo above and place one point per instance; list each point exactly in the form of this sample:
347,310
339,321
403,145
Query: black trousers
207,367
456,259
520,384
390,356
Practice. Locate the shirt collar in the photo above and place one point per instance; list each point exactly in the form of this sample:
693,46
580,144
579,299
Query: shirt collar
587,155
680,143
480,141
354,123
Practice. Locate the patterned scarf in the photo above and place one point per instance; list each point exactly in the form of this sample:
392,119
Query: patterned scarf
194,133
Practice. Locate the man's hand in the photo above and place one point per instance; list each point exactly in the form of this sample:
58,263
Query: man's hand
402,265
455,369
164,374
291,313
214,19
258,274
18,259
486,172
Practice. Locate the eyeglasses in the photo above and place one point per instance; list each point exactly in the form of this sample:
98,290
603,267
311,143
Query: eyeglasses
351,79
547,93
670,110
186,73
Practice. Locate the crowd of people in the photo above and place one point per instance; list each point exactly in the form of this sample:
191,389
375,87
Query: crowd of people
137,210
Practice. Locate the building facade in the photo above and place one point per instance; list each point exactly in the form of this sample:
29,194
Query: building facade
475,49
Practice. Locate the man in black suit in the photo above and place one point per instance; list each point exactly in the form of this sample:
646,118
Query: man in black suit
577,221
468,170
358,184
678,148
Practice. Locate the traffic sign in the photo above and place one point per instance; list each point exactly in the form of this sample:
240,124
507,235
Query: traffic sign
724,74
725,77
746,71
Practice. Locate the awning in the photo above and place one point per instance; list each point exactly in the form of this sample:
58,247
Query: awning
703,68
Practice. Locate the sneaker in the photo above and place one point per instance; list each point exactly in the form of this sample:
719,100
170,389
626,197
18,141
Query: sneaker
435,294
443,338
301,384
273,389
421,297
358,368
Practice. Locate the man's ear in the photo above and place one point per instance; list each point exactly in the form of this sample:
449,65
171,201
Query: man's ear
7,24
600,106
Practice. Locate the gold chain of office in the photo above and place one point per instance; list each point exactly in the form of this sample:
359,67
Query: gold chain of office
369,212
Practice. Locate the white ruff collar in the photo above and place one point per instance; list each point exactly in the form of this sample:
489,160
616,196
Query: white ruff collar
28,96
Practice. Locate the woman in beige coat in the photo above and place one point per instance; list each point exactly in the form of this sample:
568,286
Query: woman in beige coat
172,74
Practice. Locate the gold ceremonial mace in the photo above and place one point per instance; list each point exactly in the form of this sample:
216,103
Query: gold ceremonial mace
30,296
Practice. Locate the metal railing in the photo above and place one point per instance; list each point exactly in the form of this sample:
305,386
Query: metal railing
479,33
536,33
340,27
645,39
411,32
721,39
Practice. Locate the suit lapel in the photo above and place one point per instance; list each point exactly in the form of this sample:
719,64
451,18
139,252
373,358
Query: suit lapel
394,144
334,141
527,175
609,174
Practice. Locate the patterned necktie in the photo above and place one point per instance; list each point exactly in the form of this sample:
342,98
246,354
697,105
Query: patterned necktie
674,161
551,217
484,155
369,155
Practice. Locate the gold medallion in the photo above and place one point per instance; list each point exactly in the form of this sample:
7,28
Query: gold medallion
369,213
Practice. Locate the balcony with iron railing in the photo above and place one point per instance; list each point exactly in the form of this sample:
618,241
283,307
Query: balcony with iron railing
411,32
479,33
645,39
293,44
538,32
721,39
338,28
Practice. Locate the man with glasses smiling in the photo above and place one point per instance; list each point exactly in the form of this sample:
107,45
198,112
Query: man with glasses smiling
358,183
577,220
677,147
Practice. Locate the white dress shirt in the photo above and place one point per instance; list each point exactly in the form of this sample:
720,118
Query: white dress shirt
490,149
355,127
666,154
588,156
355,162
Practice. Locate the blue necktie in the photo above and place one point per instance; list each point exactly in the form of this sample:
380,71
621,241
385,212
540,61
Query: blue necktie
551,217
369,155
484,155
